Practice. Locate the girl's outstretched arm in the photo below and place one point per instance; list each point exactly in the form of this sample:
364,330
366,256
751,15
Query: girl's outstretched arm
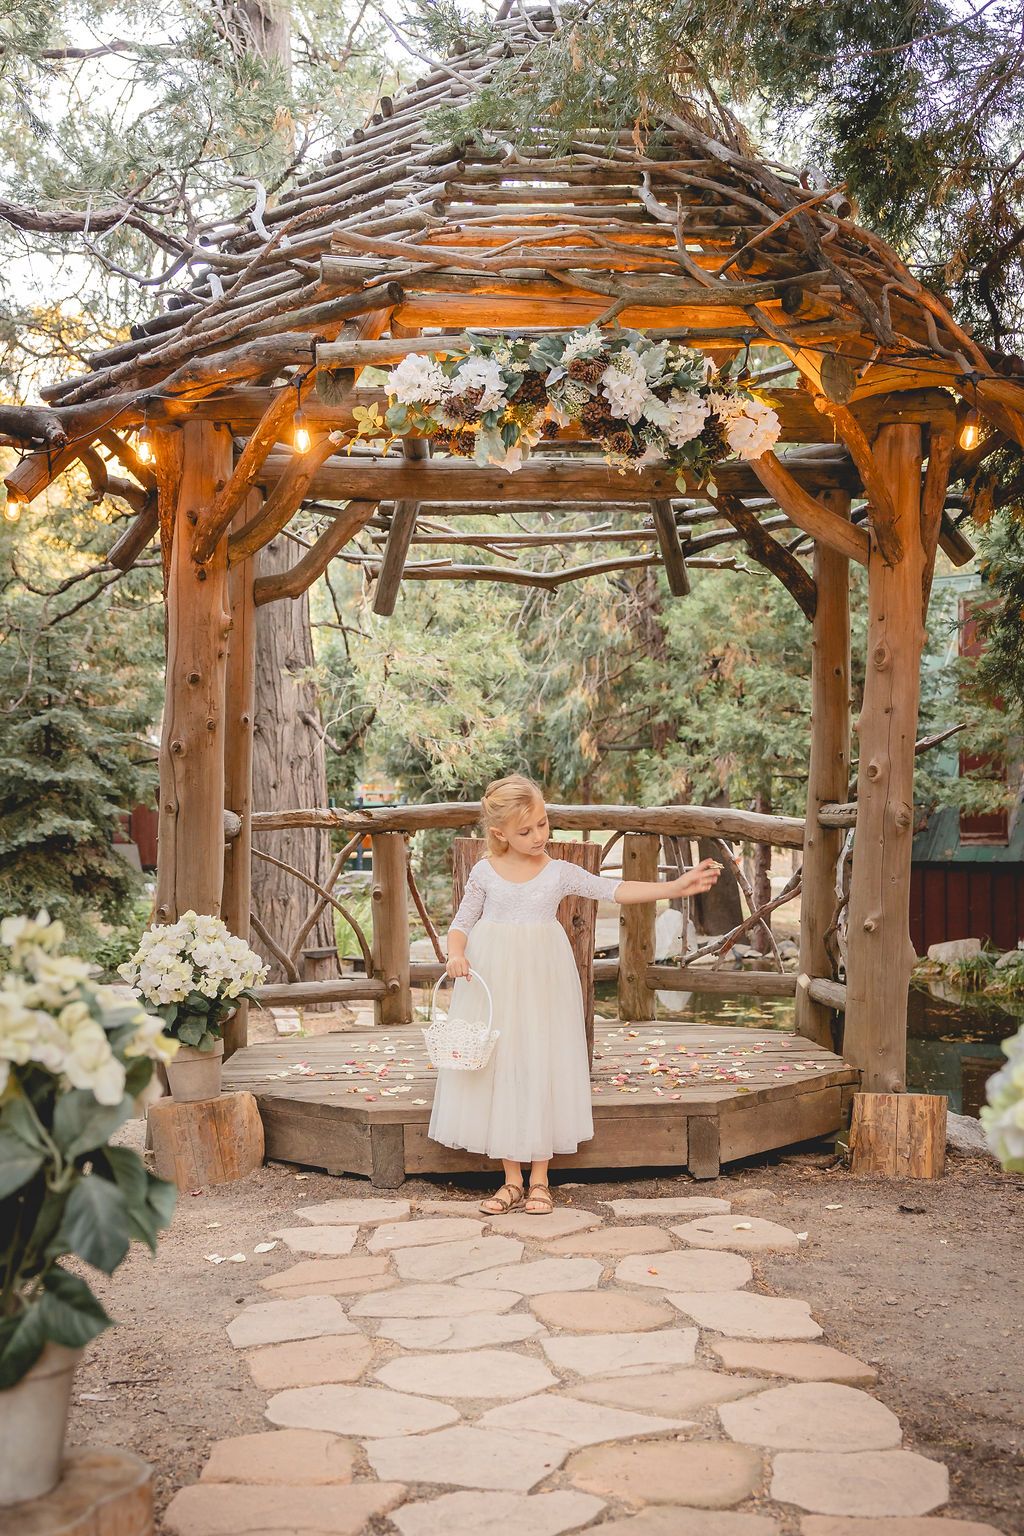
697,880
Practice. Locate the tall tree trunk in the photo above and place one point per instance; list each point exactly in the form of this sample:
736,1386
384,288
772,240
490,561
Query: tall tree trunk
762,882
288,771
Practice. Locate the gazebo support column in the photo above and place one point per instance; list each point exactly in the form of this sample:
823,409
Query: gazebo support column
191,828
239,709
881,955
828,771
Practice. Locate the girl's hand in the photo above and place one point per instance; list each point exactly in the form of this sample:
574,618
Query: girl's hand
457,966
697,880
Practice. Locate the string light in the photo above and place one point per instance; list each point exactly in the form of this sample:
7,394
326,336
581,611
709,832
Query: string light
144,444
970,432
300,431
12,510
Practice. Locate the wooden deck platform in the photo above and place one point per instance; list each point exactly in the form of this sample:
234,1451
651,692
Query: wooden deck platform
665,1095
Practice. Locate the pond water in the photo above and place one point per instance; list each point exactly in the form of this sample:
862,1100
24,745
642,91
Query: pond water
953,1040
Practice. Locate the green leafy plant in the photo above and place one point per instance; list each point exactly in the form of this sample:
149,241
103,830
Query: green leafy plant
73,1057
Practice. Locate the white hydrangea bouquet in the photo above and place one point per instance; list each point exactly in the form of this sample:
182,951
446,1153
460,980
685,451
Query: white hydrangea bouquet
193,973
73,1057
645,402
1003,1115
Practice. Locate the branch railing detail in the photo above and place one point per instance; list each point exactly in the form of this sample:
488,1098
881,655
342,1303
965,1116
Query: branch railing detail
650,829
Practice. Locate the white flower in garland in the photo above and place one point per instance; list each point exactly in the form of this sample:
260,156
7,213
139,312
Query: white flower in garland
1003,1115
625,386
481,373
682,417
417,380
582,344
751,427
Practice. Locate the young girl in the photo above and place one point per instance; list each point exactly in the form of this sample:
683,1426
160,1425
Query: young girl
532,1099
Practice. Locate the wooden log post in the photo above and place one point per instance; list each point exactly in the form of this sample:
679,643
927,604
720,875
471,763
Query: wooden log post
636,929
880,955
240,688
828,771
899,1136
190,871
390,946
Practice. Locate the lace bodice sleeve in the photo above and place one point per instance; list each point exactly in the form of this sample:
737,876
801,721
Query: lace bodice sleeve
575,881
472,903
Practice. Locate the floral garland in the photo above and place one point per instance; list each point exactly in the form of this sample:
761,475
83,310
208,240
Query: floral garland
645,402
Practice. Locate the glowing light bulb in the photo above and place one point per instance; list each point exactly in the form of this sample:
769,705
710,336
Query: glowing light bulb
12,511
300,433
144,445
970,432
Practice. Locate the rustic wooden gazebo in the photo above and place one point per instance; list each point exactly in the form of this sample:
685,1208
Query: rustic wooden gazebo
399,244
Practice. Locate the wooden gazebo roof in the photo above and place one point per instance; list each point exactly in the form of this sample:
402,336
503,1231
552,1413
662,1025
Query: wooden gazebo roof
402,242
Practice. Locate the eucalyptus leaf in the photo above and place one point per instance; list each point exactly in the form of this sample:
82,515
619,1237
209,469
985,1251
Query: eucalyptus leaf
128,1171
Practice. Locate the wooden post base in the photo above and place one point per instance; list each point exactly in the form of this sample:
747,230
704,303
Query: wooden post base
102,1492
899,1135
214,1141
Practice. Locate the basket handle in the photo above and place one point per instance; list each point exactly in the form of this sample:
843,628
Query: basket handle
476,976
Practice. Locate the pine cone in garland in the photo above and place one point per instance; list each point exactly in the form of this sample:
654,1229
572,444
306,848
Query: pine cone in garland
714,440
549,429
460,444
597,416
587,370
621,442
532,391
465,406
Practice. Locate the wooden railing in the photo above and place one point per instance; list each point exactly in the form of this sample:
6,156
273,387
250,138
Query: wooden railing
653,840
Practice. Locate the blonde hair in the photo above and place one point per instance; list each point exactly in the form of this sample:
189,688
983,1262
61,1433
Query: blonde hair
503,799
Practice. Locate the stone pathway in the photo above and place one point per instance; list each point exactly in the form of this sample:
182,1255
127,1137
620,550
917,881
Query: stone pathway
439,1373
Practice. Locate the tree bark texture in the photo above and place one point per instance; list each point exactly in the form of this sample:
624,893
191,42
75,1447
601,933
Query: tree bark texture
288,771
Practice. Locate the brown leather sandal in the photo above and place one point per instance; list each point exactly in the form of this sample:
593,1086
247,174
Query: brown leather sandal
541,1193
506,1199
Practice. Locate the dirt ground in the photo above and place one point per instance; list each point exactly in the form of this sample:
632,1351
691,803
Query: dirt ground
923,1280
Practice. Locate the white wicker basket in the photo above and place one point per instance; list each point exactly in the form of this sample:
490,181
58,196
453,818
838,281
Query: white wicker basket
460,1045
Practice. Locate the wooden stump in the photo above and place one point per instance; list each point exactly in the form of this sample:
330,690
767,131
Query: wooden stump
899,1135
102,1492
215,1141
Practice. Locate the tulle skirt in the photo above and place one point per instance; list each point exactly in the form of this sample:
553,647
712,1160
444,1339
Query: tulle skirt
532,1099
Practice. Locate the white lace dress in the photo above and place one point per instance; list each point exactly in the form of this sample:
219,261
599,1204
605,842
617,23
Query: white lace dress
533,1097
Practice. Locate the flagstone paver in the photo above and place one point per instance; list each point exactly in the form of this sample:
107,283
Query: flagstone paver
304,1456
860,1483
300,1317
519,1514
686,1271
236,1509
467,1457
668,1205
326,1241
310,1362
450,1311
813,1416
351,1276
662,1520
601,1354
357,1212
743,1234
362,1411
708,1474
473,1373
892,1525
611,1242
745,1315
416,1234
673,1392
540,1276
459,1332
577,1423
601,1311
446,1261
434,1301
803,1362
558,1223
